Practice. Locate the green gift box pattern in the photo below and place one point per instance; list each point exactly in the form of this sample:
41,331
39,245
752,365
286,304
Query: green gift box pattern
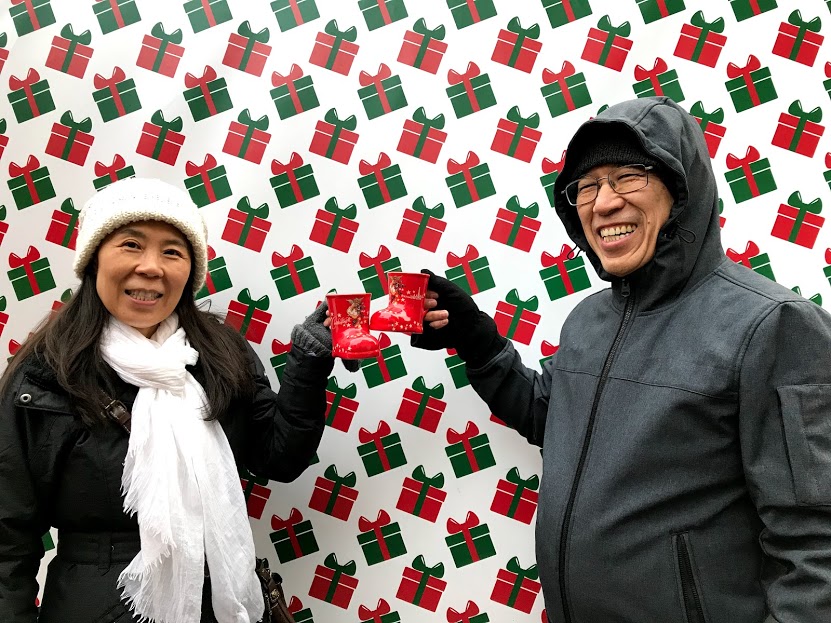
667,80
293,92
306,273
293,13
218,280
750,176
470,92
744,9
557,285
456,366
371,280
576,94
303,176
465,537
23,22
111,18
303,541
481,271
380,540
30,275
390,367
202,18
379,13
371,186
108,105
206,191
651,9
30,184
761,265
469,452
461,191
750,85
28,90
466,13
197,99
382,93
381,451
561,12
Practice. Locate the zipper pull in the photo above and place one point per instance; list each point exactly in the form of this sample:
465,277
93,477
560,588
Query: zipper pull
624,288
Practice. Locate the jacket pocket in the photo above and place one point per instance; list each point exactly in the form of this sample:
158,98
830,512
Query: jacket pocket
805,413
688,586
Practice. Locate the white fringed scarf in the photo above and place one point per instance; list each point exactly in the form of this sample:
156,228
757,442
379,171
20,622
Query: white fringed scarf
181,481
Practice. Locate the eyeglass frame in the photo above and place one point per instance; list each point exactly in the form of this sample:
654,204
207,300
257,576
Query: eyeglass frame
646,168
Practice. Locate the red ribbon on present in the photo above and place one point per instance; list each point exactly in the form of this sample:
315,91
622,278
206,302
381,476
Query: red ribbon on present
385,13
383,342
828,160
641,73
470,432
454,260
828,70
111,171
734,71
754,6
294,255
366,80
750,157
365,614
32,255
295,605
471,521
191,168
119,19
751,250
278,348
549,166
472,71
295,73
471,161
662,8
549,260
208,75
560,78
209,14
547,348
367,260
295,517
30,9
471,610
26,171
110,83
295,162
365,525
474,12
366,168
828,256
364,436
26,84
209,282
295,12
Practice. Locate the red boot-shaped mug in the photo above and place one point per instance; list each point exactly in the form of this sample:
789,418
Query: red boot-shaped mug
350,326
405,311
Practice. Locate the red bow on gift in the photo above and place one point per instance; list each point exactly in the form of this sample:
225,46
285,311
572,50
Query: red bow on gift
101,82
828,70
365,525
295,605
751,250
752,155
453,77
31,78
828,160
471,430
828,256
454,260
364,436
471,161
278,348
471,521
549,76
191,168
641,73
295,162
367,168
734,71
15,169
548,260
365,614
102,169
365,79
208,75
295,73
295,517
367,260
32,255
549,166
384,341
462,617
295,254
547,348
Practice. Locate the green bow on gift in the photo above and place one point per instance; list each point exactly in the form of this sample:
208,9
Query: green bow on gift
420,475
85,125
532,32
244,297
814,115
349,568
2,126
67,294
260,124
331,473
697,110
420,116
817,298
532,483
175,124
436,571
349,211
421,28
350,34
814,207
158,32
531,211
437,391
245,30
420,206
531,572
67,33
530,304
605,24
533,121
331,116
2,303
4,38
813,25
2,216
68,207
244,205
717,25
350,391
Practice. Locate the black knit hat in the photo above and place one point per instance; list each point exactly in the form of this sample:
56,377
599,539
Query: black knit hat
609,144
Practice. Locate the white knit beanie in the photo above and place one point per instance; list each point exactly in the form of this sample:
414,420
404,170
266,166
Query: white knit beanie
140,199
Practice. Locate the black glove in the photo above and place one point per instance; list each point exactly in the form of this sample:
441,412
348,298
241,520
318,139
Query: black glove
314,338
470,331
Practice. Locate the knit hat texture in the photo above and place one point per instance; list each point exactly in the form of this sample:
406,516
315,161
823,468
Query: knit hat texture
609,144
141,199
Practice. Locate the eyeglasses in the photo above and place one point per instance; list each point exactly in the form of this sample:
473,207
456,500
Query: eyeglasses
622,180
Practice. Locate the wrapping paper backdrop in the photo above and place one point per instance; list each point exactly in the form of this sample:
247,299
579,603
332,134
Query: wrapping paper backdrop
329,141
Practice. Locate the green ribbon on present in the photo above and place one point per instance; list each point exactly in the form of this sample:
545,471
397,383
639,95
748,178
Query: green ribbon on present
437,392
522,574
67,33
795,201
522,122
814,115
513,477
349,212
350,34
3,302
436,571
253,38
4,38
245,298
427,36
175,124
426,481
795,19
85,125
605,24
706,27
532,32
2,126
513,206
697,110
331,562
521,306
427,124
158,31
2,218
331,473
244,205
350,391
68,207
331,117
245,119
420,206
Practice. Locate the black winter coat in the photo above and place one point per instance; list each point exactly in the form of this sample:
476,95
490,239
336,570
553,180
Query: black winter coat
55,472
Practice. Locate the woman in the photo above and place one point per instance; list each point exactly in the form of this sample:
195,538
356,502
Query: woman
177,548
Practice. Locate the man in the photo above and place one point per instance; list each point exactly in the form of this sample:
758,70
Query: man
686,417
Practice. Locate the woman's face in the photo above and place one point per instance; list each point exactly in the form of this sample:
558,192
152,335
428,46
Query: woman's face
143,269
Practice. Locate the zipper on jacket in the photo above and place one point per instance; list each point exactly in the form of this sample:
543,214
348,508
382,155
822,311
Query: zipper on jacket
625,291
692,601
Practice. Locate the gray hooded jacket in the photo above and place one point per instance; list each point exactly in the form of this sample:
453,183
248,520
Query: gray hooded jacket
685,423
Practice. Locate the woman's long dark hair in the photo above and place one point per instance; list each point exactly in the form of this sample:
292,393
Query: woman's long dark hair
68,342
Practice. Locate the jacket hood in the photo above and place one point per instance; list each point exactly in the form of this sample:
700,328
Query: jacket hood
689,243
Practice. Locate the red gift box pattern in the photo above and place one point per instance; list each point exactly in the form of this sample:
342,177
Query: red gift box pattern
701,41
70,53
423,47
160,51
